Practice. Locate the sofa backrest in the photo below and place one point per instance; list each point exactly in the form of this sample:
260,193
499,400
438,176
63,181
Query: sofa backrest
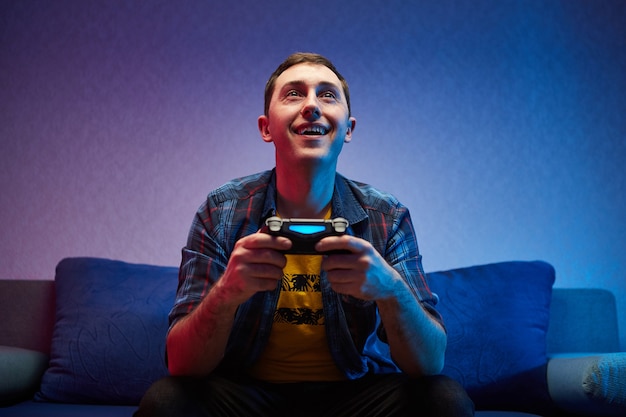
582,320
27,314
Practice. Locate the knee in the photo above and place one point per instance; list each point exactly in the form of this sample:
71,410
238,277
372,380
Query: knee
442,396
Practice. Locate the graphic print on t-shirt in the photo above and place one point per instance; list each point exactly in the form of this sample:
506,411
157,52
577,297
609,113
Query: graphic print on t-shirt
297,314
297,349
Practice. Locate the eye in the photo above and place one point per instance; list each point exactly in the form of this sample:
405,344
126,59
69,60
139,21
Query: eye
292,93
329,94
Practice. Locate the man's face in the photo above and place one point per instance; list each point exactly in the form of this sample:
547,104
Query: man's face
308,118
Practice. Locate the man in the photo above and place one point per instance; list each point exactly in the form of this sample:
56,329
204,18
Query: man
256,332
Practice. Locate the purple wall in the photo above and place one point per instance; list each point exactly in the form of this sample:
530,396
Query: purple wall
501,124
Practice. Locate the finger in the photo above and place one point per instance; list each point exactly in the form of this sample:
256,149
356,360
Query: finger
340,276
344,243
267,241
258,257
263,271
349,289
356,262
334,243
263,284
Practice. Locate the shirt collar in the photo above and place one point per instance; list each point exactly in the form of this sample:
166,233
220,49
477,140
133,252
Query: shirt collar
344,203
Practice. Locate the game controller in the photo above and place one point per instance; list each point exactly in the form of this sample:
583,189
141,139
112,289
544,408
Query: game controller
305,233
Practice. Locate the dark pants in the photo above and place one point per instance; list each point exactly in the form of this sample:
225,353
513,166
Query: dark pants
376,395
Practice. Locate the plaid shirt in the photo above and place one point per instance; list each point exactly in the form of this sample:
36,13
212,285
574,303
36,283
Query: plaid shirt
355,333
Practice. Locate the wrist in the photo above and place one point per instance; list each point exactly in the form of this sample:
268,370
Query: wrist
394,290
220,300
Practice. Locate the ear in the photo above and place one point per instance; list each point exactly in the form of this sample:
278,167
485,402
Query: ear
264,128
351,126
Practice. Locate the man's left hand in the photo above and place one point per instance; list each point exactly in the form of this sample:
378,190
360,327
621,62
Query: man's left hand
363,273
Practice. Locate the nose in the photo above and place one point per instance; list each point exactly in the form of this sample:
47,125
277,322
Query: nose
311,108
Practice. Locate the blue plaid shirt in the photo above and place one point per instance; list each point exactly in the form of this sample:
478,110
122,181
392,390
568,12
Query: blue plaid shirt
354,329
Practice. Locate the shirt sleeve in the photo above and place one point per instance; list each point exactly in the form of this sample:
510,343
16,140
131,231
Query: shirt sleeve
402,253
203,261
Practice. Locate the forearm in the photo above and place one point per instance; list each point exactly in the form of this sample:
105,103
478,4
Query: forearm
197,343
416,340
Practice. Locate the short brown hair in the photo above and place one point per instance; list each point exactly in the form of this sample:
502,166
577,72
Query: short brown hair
303,58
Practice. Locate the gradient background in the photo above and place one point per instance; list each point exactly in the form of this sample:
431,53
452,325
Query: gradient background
501,124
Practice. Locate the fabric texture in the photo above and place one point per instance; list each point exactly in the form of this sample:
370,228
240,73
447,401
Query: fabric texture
372,396
580,306
20,371
109,336
38,409
605,379
27,312
497,318
589,384
297,349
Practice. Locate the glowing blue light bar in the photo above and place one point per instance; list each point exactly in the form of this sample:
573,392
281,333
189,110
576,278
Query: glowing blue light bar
306,229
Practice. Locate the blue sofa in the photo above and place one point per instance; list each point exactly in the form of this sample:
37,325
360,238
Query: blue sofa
91,342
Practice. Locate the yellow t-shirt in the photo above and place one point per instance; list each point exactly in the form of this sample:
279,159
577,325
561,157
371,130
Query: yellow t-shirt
297,349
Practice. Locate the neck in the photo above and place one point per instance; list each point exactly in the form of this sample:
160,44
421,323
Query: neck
304,196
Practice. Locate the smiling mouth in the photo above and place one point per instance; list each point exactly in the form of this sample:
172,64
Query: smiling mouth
312,131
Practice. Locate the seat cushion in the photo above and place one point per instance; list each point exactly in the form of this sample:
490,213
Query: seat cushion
497,318
38,409
108,341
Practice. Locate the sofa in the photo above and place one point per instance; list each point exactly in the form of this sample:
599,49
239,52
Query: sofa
91,341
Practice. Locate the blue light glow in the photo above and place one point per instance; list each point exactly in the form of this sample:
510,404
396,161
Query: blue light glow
306,229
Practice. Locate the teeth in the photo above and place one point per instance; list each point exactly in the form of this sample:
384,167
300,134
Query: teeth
312,130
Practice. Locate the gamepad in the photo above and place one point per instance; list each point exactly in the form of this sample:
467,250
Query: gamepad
305,233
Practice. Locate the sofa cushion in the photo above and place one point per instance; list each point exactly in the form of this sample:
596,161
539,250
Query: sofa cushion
497,318
108,340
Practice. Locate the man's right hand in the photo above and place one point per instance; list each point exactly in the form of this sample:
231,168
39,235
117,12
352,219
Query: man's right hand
254,265
196,344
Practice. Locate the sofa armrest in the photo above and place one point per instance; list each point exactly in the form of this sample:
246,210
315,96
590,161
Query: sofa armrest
589,384
20,373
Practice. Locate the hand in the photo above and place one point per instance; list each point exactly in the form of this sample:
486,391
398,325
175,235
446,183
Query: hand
417,342
254,265
363,273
